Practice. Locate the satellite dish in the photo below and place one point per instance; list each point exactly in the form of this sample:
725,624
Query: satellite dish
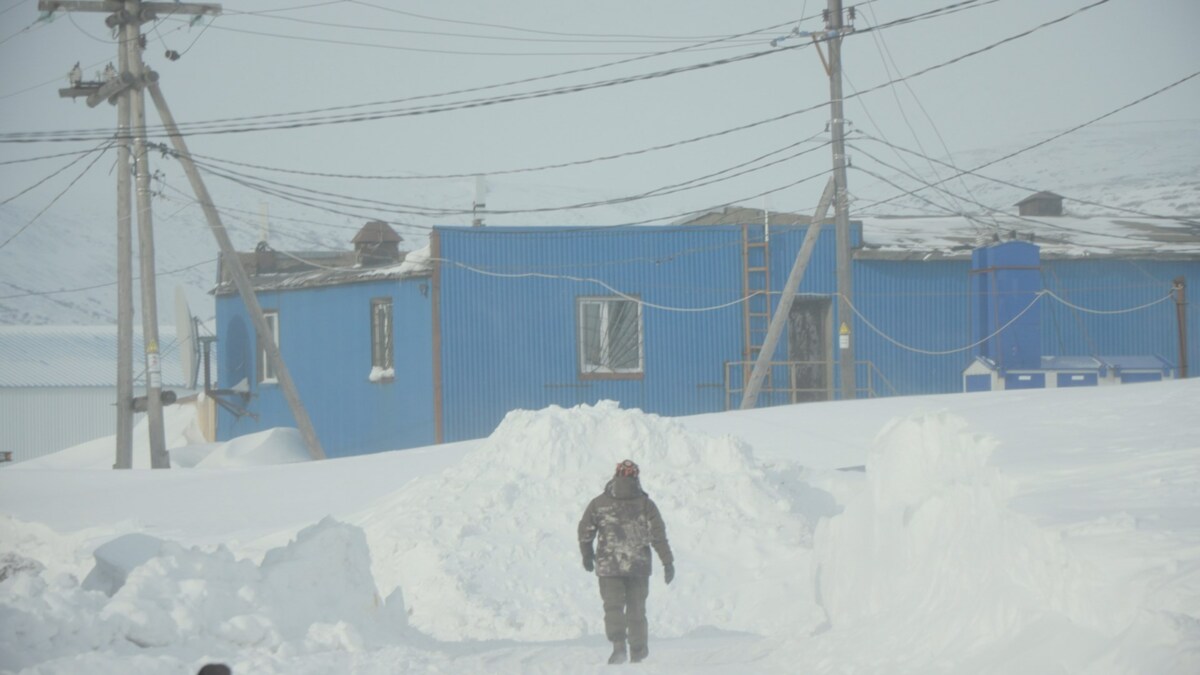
185,335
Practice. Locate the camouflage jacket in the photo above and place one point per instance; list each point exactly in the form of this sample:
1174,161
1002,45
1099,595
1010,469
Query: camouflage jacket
625,523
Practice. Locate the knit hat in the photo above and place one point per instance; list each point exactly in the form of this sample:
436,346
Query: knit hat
628,468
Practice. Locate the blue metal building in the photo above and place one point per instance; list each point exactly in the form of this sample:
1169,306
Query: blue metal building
666,319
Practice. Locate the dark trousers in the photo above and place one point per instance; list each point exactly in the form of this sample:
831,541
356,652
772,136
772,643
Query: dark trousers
625,609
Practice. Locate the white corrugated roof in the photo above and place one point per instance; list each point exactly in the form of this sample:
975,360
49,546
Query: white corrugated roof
1057,236
78,356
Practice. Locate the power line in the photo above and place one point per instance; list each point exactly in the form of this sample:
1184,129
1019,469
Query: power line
210,128
544,167
572,38
56,198
889,63
411,209
598,282
1037,297
42,157
1053,226
1044,141
531,30
61,169
1026,188
93,287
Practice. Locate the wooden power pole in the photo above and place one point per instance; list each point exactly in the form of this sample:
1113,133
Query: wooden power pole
127,89
779,319
835,29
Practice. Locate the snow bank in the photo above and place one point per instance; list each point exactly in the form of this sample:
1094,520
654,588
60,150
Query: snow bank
930,558
315,594
186,445
281,445
488,549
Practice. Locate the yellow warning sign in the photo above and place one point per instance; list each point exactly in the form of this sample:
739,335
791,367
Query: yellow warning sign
844,330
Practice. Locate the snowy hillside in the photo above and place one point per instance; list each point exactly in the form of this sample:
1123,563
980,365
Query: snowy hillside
1153,167
1038,531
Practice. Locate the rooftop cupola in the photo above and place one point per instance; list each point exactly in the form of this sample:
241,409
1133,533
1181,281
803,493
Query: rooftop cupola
377,244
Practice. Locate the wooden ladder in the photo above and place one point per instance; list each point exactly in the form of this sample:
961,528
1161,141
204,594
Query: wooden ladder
756,311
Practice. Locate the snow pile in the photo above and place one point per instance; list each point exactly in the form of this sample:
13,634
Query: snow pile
930,557
281,445
185,443
315,594
488,549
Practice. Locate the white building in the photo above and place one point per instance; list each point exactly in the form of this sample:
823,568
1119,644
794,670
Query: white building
58,384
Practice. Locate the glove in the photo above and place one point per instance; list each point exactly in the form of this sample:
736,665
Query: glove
589,556
668,572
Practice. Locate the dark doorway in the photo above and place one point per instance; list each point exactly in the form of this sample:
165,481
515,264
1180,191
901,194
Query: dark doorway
809,348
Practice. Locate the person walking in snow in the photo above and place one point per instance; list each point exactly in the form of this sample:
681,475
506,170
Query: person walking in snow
625,523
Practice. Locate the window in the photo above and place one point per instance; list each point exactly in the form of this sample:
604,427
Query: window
266,369
610,337
381,340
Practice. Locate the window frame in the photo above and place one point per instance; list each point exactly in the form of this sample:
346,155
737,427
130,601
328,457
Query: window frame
383,356
266,373
588,371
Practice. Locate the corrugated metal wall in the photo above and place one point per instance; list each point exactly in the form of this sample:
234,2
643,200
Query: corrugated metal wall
1110,285
921,305
509,336
326,341
511,342
924,305
36,421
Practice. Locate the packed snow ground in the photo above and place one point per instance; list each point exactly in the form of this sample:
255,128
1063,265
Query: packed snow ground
1036,532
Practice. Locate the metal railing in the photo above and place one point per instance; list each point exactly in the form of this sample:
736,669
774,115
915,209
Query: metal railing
801,382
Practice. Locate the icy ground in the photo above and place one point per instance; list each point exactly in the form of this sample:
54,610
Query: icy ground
1014,532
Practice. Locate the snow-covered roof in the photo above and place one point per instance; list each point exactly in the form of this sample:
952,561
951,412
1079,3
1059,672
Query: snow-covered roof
933,237
301,275
78,356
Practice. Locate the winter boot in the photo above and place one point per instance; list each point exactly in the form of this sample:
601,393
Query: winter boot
638,654
618,655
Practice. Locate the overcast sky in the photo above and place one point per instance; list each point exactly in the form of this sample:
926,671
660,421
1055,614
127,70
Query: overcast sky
269,58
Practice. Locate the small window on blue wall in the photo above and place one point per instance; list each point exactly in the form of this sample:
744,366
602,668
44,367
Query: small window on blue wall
610,337
382,365
266,369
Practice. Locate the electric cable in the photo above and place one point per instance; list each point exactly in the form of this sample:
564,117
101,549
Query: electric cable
410,209
56,198
61,169
598,282
501,172
1037,297
93,287
1027,188
204,128
56,155
573,38
1054,137
1053,226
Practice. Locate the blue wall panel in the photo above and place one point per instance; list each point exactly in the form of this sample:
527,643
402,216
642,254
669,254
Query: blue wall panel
1111,285
509,336
511,342
326,342
923,305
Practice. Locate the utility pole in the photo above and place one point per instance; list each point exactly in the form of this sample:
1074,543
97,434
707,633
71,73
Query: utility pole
780,317
127,16
124,459
835,29
131,22
240,278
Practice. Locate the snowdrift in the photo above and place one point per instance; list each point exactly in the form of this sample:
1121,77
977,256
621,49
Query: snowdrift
487,550
315,594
